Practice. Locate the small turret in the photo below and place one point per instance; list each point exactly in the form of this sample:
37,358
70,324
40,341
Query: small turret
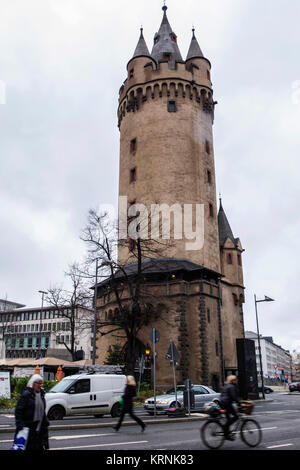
141,49
194,50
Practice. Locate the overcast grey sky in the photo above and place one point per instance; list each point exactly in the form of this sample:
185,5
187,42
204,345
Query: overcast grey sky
62,63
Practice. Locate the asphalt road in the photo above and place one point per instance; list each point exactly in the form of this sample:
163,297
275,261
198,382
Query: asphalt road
279,419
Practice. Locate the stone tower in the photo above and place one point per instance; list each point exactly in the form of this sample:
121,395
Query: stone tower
165,113
165,117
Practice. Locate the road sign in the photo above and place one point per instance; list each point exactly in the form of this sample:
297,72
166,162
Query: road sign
154,335
173,353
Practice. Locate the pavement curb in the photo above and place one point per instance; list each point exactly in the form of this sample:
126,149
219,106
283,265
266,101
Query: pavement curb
69,427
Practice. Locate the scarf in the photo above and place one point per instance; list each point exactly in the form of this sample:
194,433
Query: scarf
39,410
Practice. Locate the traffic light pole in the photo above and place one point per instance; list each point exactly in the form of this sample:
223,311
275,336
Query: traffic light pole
154,368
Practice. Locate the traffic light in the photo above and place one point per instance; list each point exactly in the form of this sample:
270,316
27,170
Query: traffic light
147,355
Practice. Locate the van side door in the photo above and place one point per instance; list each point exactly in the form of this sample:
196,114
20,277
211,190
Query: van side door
79,394
102,394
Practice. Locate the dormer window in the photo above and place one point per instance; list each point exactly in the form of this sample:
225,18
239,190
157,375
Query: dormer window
168,56
173,37
156,38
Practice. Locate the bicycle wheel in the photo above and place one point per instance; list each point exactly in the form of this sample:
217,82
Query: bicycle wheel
212,434
251,433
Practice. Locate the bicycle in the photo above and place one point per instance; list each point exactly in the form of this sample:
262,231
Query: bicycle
212,432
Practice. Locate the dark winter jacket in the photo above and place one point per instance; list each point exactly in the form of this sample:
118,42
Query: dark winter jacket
229,395
128,396
24,415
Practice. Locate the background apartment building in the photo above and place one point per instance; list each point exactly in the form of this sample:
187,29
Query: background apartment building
276,361
32,332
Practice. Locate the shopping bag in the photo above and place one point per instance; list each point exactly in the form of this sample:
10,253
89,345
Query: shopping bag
121,403
20,440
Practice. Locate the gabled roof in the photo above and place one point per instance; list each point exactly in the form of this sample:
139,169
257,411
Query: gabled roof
194,50
164,44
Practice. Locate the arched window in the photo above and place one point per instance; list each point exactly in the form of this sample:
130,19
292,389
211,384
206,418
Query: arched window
229,258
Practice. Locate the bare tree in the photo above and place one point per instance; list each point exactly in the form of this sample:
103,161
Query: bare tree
69,303
126,281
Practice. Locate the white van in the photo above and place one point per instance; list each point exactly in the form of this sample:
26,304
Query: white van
85,394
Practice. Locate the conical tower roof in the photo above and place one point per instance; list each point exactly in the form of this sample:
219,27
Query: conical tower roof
165,42
224,227
194,50
141,48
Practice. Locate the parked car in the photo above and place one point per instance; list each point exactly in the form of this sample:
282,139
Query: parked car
88,394
294,387
266,389
203,395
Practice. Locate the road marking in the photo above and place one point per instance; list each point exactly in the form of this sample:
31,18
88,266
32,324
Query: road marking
279,445
101,445
79,436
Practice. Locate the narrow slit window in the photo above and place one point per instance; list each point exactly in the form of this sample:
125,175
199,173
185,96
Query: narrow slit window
131,73
239,260
172,106
229,258
132,175
133,145
209,178
207,147
211,210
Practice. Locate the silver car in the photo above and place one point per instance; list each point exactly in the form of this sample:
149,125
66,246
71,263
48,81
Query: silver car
203,395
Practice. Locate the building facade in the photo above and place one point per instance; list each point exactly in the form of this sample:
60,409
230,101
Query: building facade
165,118
276,361
28,332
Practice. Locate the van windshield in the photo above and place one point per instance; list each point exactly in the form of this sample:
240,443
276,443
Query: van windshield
61,386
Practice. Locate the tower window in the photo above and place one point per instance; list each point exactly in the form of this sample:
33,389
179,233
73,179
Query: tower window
239,260
211,210
208,75
229,258
207,147
208,315
133,145
131,73
168,56
172,106
132,175
209,179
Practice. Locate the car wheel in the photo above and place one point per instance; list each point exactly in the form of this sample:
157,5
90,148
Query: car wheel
56,413
267,391
173,405
217,402
115,411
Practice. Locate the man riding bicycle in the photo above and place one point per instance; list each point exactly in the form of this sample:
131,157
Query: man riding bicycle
229,395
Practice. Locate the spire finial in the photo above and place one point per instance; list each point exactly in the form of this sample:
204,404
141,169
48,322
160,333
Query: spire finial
193,29
165,6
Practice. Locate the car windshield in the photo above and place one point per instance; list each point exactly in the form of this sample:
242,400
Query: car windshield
180,389
61,386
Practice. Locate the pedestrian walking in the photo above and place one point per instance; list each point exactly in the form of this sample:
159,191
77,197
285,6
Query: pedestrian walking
30,413
127,397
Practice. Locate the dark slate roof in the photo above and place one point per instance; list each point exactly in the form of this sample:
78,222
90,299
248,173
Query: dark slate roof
165,44
224,227
161,266
194,50
141,48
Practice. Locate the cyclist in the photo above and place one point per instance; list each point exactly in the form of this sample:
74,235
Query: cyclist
229,395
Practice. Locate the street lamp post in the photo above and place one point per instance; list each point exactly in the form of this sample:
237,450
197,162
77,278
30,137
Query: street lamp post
41,325
95,315
266,299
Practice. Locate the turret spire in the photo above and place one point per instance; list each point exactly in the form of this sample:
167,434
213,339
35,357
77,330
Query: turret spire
141,48
224,227
165,43
194,50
